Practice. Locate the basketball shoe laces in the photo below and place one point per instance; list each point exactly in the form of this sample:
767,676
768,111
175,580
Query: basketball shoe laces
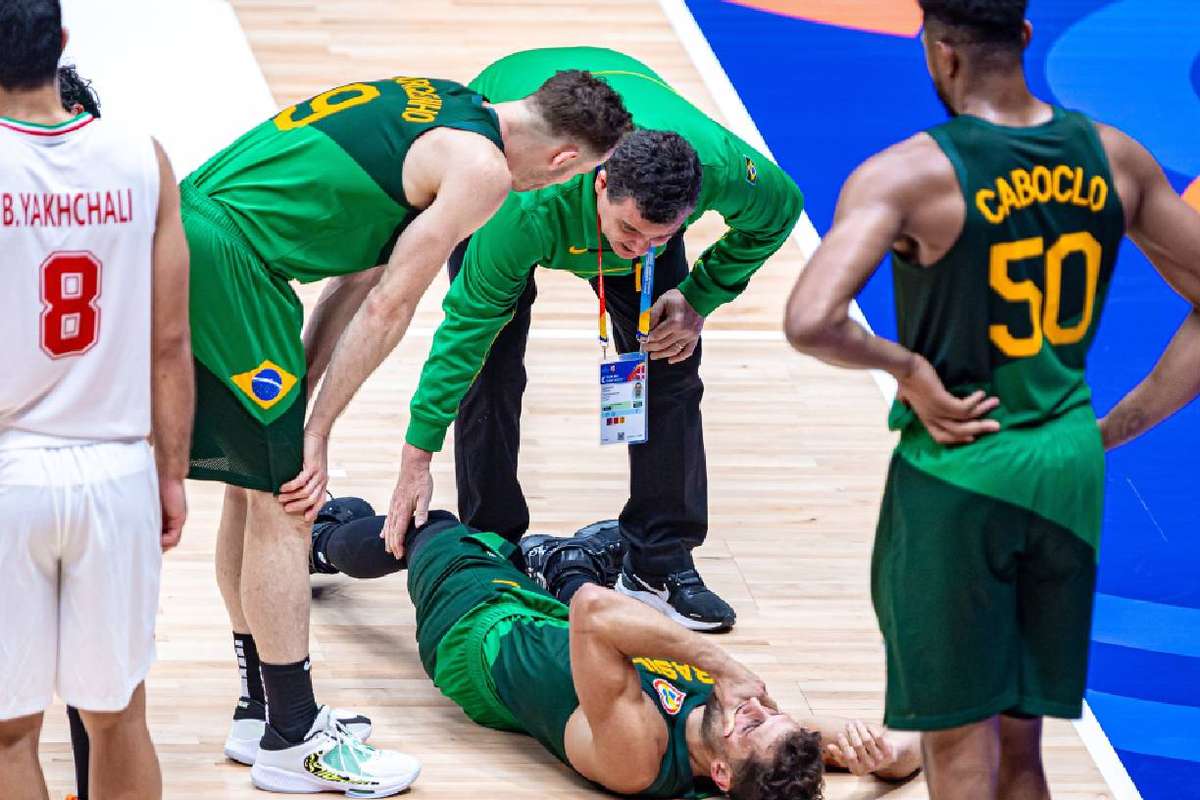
352,752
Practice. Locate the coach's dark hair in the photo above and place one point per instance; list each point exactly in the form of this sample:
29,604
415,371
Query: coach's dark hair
659,170
794,770
30,42
992,28
74,90
581,107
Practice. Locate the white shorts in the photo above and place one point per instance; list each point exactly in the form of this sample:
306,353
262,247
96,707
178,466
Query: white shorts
79,571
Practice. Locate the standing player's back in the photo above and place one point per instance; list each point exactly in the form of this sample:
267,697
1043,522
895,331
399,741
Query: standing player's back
78,203
1014,304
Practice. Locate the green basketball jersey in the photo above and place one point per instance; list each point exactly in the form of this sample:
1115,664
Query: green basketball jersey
532,676
318,189
1013,307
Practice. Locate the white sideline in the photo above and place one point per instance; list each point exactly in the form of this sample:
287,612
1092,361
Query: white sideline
806,236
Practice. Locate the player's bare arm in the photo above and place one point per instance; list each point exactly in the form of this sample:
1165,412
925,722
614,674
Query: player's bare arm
1168,231
173,390
465,180
907,200
339,300
608,738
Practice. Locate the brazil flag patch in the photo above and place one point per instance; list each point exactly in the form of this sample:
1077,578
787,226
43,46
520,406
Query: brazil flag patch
751,170
266,384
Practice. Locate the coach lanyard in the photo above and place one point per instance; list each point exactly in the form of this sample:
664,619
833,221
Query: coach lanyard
644,279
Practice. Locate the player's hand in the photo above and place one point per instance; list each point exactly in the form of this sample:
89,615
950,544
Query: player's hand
735,690
303,495
410,500
861,748
173,498
949,419
674,328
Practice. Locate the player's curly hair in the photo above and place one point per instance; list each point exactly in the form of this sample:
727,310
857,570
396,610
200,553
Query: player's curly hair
30,42
579,106
794,771
659,170
981,22
74,89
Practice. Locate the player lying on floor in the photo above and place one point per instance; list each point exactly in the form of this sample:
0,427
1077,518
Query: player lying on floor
628,699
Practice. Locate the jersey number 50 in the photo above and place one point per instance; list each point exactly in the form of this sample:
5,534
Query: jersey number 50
70,284
1044,310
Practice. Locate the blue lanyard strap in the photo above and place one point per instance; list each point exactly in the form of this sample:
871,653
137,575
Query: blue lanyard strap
647,281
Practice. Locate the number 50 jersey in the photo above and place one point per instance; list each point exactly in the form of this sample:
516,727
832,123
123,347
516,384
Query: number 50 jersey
78,203
1013,306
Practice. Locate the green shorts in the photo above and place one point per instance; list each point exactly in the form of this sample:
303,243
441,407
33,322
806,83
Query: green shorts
983,573
249,357
475,609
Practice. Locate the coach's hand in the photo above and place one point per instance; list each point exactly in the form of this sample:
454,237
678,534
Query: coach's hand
949,419
410,501
305,493
674,328
174,510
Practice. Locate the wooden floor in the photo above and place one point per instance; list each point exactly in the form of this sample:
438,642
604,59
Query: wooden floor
797,453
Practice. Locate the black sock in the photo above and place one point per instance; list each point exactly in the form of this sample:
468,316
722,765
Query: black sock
355,549
291,707
569,585
248,664
81,750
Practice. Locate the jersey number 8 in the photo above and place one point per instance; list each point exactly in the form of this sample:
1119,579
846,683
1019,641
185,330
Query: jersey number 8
70,285
1044,310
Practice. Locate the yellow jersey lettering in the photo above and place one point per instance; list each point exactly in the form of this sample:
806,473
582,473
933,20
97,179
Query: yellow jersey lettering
664,668
685,670
1077,196
982,198
1097,193
1023,184
423,100
1008,198
322,106
1062,173
703,677
1043,184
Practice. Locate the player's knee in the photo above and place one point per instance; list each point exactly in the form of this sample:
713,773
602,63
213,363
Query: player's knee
590,600
20,732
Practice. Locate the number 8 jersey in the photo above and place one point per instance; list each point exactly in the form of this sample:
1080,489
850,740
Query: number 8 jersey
78,203
1013,306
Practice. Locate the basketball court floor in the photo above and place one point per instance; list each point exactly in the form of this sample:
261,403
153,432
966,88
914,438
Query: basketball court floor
797,450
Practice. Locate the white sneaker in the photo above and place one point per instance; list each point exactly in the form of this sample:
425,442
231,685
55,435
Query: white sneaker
331,759
248,726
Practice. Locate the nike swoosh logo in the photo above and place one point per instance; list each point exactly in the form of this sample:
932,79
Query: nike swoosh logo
577,251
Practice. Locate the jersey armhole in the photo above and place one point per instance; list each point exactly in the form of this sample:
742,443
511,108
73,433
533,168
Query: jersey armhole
1089,128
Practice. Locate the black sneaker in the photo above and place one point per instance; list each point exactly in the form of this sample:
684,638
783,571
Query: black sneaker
682,597
595,551
337,511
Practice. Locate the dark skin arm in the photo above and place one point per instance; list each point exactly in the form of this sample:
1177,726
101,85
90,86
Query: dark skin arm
1167,230
906,199
616,737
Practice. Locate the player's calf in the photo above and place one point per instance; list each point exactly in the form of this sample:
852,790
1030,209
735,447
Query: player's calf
20,773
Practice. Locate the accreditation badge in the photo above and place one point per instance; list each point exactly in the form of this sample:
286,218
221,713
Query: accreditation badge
623,391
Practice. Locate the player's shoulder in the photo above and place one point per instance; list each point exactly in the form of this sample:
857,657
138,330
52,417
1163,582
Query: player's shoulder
912,166
1124,152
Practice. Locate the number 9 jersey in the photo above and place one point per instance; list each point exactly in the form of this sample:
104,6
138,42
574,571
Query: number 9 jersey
78,205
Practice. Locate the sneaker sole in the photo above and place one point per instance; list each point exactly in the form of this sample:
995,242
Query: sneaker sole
666,609
276,779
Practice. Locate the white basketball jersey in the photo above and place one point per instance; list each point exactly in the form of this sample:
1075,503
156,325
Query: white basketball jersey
78,204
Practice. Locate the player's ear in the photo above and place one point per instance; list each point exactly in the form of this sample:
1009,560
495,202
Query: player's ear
721,774
601,181
1026,34
66,35
564,157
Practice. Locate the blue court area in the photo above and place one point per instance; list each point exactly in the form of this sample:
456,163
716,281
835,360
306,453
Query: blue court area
827,89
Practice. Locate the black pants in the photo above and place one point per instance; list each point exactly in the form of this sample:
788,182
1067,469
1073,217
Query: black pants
666,515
